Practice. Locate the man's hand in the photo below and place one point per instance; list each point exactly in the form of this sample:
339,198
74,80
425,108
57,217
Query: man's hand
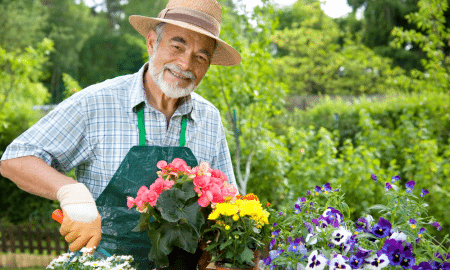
81,224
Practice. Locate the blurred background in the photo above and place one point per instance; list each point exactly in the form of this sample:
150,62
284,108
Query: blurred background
329,91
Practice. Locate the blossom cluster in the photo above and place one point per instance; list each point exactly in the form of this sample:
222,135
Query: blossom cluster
210,185
328,241
240,207
87,261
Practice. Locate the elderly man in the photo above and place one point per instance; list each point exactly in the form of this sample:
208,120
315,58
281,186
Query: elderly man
113,133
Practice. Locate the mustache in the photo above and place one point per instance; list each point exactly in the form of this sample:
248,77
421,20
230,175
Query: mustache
177,69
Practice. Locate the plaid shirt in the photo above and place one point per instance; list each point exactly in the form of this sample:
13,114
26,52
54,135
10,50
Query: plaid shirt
94,129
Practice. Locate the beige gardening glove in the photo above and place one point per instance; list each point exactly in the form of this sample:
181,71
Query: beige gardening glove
81,225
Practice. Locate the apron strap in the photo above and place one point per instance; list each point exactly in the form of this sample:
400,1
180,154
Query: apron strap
141,126
183,131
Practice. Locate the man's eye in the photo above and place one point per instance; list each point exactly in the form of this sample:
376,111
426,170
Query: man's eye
177,47
203,59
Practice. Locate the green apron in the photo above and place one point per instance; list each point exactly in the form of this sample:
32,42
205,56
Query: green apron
136,170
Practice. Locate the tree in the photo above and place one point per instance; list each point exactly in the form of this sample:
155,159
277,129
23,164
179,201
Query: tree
21,23
20,91
434,41
315,63
248,96
69,26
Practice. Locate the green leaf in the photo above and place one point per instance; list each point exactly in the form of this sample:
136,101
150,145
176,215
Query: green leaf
247,255
142,223
175,205
168,235
188,188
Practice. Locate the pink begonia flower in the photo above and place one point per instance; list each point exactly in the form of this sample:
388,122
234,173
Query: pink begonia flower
130,202
180,164
151,197
203,201
168,184
202,181
219,174
198,190
139,203
216,181
228,191
158,185
210,194
214,194
141,191
161,164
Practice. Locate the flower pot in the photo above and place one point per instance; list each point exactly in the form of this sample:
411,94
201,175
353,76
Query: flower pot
219,266
257,254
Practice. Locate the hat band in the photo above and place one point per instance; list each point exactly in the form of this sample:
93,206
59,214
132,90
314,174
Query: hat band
195,18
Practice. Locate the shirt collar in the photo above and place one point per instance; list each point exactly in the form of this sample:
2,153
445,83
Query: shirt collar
137,97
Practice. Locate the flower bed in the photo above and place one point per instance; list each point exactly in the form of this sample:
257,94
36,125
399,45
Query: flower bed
325,238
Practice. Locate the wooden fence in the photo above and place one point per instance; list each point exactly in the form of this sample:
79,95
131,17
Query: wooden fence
25,239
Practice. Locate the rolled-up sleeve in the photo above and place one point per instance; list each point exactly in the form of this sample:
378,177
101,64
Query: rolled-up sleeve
59,138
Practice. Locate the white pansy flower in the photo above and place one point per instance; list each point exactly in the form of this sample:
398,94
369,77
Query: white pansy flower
399,236
340,236
308,237
316,261
376,262
339,262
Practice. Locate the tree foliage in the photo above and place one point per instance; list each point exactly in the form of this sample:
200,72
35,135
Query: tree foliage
20,91
315,63
247,96
434,41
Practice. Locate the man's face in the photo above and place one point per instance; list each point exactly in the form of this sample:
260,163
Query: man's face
180,61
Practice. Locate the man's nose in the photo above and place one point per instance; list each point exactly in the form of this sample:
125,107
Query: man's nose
186,60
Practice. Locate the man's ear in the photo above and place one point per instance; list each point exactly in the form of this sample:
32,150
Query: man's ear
151,41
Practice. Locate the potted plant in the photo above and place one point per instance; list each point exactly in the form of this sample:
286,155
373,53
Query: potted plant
241,228
325,237
174,208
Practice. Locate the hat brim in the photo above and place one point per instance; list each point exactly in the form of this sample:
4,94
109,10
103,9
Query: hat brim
224,54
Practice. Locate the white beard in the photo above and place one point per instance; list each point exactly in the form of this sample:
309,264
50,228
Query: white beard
171,90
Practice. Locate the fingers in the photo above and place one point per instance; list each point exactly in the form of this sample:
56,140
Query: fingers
81,234
94,241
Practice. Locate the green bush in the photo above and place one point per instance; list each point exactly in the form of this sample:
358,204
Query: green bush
405,136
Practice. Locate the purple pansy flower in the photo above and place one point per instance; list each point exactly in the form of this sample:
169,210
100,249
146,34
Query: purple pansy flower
308,193
423,192
295,245
423,266
412,223
408,259
326,188
388,187
355,261
382,228
419,234
374,177
297,208
395,179
317,190
410,186
333,215
437,225
394,250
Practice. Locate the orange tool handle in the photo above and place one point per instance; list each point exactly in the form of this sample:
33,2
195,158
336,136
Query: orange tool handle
58,215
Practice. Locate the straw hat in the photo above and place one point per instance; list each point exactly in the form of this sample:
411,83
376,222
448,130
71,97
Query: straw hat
201,16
